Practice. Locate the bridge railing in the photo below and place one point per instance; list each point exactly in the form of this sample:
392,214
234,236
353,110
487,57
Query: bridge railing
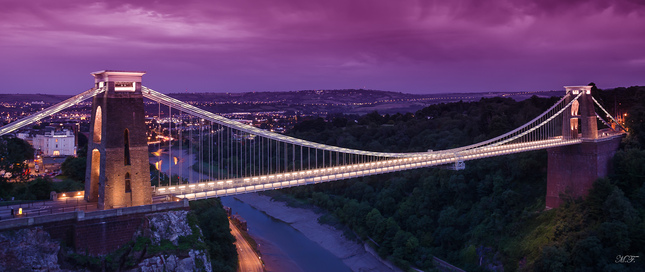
216,188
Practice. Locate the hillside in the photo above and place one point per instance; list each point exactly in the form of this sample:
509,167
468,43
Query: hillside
309,101
490,216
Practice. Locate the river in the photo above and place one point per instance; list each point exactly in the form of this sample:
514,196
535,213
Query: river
294,246
307,255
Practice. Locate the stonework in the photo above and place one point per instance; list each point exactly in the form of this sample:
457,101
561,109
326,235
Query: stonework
118,173
100,236
39,248
171,226
165,263
573,169
28,250
581,116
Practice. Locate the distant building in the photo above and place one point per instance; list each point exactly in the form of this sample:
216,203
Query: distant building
24,136
56,143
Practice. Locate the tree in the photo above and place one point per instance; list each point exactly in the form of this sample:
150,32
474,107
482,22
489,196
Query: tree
588,254
213,221
13,154
553,259
635,123
374,222
629,172
618,207
74,168
82,145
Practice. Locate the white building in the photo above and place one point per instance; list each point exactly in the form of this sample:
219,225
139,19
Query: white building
56,143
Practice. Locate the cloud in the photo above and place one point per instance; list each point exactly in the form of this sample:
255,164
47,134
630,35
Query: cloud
291,38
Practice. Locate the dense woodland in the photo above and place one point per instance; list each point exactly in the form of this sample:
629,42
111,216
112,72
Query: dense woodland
491,215
213,221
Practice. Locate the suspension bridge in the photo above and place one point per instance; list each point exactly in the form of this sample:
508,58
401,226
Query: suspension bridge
236,158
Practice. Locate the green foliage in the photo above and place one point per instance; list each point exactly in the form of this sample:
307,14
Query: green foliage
141,242
38,189
125,257
491,213
209,215
15,150
68,185
84,261
13,154
81,151
74,168
629,172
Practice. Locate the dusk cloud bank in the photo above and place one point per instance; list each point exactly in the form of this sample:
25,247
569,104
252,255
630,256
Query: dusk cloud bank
409,46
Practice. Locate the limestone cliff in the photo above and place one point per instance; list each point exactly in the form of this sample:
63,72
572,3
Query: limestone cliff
28,250
166,241
174,244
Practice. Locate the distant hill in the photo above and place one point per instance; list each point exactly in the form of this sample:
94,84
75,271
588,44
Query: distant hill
354,101
347,96
47,98
358,101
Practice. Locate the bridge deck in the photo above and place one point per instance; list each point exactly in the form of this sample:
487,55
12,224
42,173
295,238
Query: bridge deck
218,188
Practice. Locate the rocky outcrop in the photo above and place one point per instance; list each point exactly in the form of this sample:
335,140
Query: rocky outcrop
167,241
171,227
168,226
197,261
28,250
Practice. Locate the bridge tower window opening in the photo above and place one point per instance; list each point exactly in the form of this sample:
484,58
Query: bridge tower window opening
575,128
575,106
98,125
126,147
121,86
128,186
95,172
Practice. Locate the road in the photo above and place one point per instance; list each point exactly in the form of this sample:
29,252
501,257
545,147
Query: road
36,208
60,205
248,260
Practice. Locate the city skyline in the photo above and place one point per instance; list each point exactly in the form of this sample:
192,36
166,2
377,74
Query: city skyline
241,46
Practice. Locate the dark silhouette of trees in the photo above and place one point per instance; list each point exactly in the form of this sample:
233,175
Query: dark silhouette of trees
493,211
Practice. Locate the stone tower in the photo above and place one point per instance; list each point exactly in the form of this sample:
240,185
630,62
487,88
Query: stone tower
580,120
118,172
573,169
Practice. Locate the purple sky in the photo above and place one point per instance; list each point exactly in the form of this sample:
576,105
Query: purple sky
417,46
